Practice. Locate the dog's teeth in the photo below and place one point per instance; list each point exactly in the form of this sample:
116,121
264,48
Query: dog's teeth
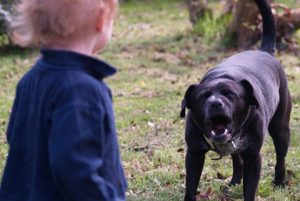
213,133
226,131
233,144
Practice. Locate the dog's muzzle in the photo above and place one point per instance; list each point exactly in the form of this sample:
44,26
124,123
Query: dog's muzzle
219,129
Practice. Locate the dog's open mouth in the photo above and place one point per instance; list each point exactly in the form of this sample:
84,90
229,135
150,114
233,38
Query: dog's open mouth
219,126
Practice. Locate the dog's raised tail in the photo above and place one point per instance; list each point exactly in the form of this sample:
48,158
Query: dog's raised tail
269,27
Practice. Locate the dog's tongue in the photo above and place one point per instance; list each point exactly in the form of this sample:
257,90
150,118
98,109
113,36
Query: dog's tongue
219,129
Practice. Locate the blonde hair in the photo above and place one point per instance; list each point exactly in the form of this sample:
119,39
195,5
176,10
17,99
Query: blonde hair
38,22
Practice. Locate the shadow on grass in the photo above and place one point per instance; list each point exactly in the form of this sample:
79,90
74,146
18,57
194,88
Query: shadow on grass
12,50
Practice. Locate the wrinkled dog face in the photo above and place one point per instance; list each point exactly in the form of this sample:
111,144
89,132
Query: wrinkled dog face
219,107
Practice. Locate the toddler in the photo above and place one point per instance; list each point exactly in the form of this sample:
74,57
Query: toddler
61,134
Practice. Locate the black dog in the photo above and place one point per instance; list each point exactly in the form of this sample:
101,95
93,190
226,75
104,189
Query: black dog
233,107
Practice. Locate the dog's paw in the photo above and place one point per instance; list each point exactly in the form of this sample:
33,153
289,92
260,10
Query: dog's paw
279,184
189,198
234,182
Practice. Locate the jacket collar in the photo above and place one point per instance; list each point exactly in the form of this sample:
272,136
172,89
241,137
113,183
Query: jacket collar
61,59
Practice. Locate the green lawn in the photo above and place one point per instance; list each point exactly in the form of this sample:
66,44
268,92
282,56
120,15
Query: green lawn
158,57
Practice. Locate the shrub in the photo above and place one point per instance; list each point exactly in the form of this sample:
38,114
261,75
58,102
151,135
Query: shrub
4,18
5,8
212,27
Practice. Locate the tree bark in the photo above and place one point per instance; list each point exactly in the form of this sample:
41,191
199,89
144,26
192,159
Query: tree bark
197,9
287,22
228,6
243,27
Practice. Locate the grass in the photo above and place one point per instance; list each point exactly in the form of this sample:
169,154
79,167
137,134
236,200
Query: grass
158,56
211,27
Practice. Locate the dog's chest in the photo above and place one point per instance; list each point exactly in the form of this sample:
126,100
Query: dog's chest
224,149
233,146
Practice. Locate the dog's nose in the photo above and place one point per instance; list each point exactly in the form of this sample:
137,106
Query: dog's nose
217,103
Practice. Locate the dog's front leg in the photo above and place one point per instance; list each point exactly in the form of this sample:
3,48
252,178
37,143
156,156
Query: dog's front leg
237,169
251,175
194,165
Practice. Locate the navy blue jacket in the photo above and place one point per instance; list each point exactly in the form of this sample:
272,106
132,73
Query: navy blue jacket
62,136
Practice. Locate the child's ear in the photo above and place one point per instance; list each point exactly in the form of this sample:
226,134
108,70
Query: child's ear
100,19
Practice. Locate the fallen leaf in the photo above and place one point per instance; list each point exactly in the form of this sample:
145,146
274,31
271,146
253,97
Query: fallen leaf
205,195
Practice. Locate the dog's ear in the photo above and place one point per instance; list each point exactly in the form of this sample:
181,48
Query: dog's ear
186,102
250,93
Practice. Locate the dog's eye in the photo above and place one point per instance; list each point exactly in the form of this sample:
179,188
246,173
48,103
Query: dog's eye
228,94
206,95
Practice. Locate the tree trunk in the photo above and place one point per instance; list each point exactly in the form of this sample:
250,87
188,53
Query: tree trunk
228,6
197,9
243,27
287,22
246,29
